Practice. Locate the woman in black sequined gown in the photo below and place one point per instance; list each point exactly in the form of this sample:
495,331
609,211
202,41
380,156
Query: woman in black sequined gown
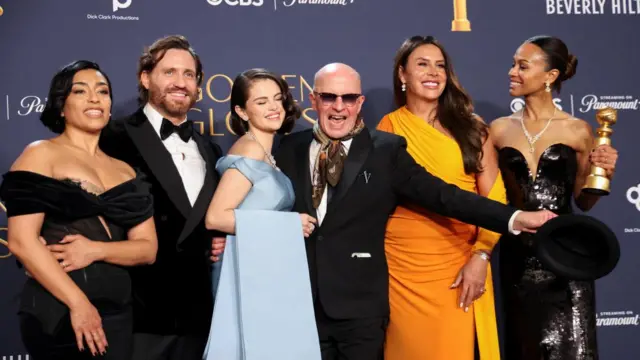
95,215
544,157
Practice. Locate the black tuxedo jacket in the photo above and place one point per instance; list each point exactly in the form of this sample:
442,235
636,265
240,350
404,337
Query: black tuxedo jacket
172,296
378,174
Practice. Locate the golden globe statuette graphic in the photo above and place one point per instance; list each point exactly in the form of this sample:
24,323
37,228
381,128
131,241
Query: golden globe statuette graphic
460,21
597,182
1,11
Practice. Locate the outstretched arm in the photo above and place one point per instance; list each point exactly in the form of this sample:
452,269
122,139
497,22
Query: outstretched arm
414,184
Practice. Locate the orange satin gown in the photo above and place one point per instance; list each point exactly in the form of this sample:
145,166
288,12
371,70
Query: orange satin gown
425,252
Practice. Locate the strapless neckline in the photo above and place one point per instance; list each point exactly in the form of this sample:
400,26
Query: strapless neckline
78,182
539,163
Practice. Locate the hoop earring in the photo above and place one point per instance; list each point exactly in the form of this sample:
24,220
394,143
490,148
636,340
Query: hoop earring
547,88
404,87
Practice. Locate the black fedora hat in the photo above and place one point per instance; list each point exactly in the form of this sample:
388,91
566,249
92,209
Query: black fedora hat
577,247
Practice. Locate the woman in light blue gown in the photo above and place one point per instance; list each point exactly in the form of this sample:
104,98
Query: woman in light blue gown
263,308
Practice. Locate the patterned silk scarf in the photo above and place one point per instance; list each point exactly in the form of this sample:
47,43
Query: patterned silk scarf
330,161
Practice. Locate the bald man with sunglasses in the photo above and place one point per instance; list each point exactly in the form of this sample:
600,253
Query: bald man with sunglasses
350,179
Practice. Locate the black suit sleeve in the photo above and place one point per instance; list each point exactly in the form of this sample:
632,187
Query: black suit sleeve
217,150
413,183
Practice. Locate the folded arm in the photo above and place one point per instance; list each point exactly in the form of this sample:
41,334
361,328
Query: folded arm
140,248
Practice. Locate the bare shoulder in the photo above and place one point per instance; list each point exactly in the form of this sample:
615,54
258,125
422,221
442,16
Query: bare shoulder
478,118
37,157
500,123
499,127
580,127
247,147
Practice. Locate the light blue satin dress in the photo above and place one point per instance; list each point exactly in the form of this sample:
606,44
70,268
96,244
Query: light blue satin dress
263,304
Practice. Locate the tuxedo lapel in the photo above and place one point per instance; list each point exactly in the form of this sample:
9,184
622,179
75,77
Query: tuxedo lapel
158,159
208,188
303,169
358,153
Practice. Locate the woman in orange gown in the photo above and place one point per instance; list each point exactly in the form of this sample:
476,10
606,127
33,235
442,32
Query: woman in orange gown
440,286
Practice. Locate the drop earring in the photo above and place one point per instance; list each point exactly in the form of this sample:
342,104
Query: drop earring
404,87
547,88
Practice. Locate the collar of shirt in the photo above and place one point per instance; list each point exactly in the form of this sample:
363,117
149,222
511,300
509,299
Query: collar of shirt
346,144
155,118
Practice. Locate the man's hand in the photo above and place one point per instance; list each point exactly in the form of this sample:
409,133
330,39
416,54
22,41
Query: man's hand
529,221
217,247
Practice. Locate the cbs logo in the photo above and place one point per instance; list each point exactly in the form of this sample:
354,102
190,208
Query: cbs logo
633,196
121,5
236,2
518,104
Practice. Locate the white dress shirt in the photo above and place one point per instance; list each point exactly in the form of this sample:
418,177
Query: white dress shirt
186,156
314,150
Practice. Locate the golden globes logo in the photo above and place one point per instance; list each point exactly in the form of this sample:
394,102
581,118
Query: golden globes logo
1,11
217,88
3,243
460,21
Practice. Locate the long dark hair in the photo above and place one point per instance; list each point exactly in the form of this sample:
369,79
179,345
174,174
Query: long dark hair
455,109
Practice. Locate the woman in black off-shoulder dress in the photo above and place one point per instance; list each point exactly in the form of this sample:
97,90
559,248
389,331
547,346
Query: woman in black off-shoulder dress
544,156
94,214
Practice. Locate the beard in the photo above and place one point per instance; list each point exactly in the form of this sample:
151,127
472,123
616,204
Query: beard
172,108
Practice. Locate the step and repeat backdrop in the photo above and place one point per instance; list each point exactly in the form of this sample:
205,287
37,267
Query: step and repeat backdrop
297,37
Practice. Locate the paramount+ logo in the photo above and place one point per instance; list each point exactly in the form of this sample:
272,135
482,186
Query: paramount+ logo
117,4
236,2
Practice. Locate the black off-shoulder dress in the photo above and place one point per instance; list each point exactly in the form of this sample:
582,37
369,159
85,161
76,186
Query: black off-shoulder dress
70,209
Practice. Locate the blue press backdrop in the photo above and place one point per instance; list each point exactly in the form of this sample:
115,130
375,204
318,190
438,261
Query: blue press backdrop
295,38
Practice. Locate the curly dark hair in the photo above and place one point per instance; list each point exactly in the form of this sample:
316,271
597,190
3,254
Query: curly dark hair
59,91
240,95
455,108
154,54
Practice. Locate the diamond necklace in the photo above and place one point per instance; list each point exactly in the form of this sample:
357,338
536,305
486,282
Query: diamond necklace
532,139
270,158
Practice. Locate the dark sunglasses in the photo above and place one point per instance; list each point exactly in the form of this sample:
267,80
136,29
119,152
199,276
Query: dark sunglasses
330,98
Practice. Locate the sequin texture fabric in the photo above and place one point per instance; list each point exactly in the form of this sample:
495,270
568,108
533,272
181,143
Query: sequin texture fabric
547,317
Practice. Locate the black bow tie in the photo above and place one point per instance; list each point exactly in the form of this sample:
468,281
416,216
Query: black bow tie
185,130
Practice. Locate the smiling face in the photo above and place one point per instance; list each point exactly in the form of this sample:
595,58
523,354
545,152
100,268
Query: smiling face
172,84
263,108
425,74
528,74
337,99
88,106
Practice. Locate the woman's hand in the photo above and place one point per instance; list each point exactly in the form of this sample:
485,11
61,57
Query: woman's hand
308,224
471,280
604,156
87,324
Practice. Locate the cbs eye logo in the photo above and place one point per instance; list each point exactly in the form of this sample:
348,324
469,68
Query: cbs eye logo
236,2
517,104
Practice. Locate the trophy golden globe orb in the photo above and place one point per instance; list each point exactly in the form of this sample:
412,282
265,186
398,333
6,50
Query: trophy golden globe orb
597,182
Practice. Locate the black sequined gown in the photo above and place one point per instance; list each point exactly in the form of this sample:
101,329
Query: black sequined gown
547,317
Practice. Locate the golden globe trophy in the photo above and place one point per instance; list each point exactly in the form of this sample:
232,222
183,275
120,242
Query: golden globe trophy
460,21
597,182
